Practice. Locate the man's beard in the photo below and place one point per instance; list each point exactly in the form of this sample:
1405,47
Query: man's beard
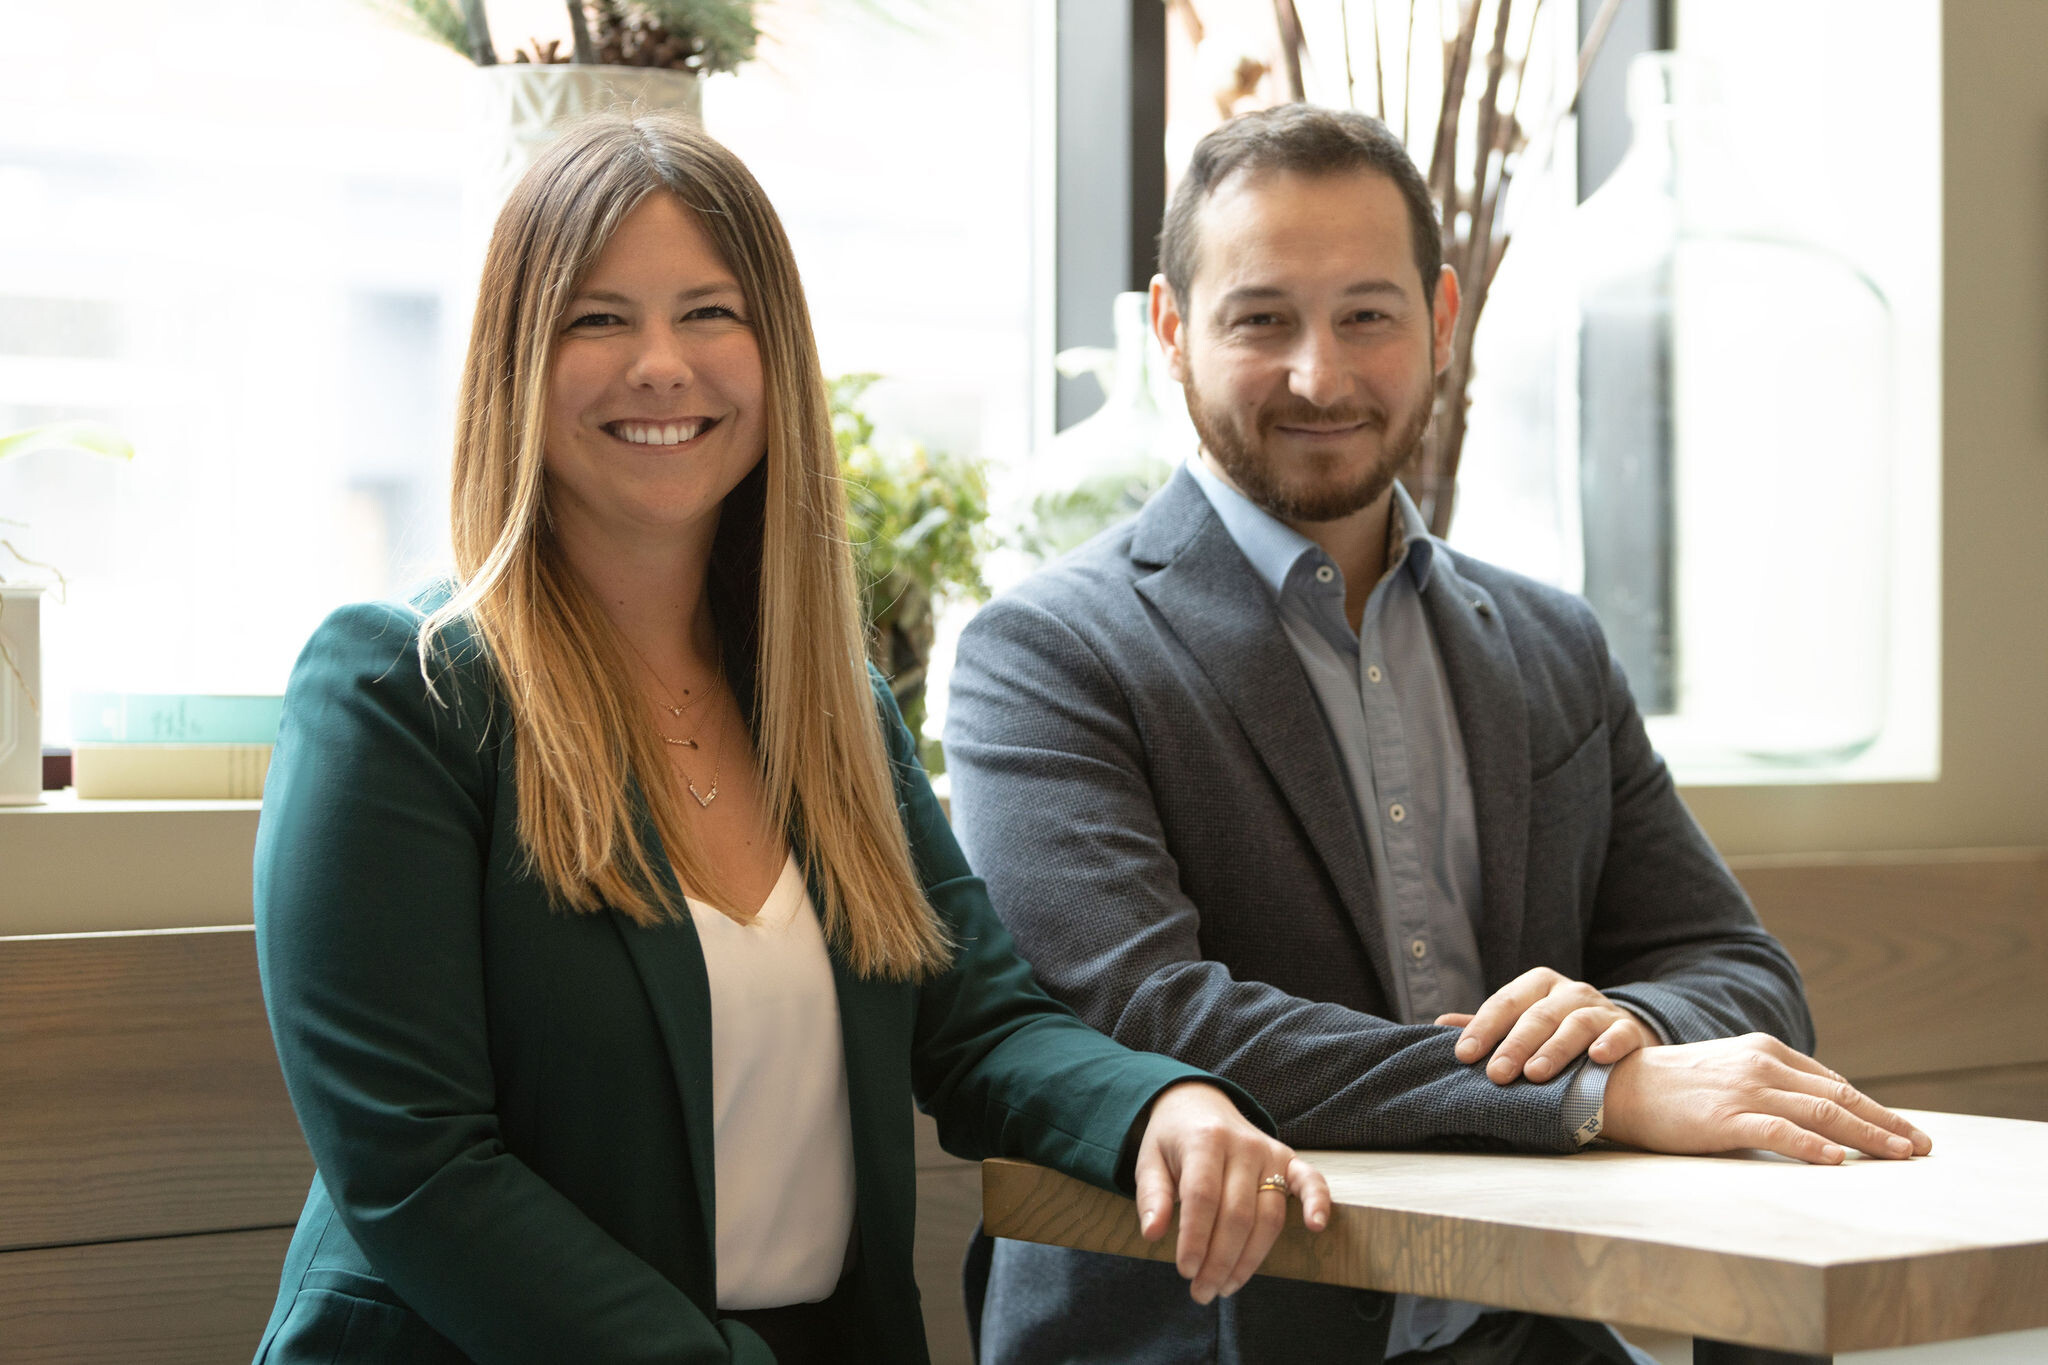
1306,497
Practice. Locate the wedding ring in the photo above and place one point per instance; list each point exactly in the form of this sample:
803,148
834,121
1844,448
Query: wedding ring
1273,1182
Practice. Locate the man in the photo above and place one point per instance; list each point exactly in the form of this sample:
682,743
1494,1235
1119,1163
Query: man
1273,782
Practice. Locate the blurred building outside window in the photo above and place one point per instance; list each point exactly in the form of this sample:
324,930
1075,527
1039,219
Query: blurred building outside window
233,228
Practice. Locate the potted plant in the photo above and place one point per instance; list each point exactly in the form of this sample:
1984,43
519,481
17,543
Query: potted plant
643,54
917,519
693,37
21,718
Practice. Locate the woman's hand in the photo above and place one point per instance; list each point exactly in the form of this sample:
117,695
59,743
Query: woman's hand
1200,1152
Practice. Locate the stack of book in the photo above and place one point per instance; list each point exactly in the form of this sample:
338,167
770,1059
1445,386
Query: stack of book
153,747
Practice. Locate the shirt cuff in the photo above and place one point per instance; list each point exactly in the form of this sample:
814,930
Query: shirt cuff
1585,1102
1645,1020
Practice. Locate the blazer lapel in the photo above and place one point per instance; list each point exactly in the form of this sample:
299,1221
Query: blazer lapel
1486,691
875,1026
1213,601
670,963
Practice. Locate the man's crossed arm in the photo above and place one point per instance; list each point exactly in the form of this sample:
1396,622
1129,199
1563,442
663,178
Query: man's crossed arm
1053,798
1748,1091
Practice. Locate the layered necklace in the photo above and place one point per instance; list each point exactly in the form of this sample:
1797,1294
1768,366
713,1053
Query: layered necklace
677,712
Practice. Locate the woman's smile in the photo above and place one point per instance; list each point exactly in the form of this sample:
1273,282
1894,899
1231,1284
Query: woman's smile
675,431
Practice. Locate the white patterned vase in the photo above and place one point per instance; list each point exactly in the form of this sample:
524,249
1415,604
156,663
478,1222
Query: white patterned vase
21,700
516,109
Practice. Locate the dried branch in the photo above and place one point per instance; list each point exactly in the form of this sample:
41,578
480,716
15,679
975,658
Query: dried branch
1489,108
1285,15
1595,36
579,35
1407,72
1589,51
1474,224
478,27
1344,24
1522,69
1443,169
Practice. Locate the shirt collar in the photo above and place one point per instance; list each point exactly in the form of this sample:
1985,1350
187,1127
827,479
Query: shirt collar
1274,548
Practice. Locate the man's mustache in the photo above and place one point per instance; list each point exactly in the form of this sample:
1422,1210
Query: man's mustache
1307,415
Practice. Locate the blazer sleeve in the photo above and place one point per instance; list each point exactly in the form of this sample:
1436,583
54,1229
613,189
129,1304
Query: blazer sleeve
1003,1068
1053,797
371,859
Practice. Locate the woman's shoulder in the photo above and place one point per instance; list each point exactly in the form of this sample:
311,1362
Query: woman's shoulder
375,647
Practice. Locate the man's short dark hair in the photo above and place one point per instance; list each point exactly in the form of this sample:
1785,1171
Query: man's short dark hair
1311,141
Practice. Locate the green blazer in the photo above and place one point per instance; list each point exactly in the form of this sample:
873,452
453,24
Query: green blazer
509,1105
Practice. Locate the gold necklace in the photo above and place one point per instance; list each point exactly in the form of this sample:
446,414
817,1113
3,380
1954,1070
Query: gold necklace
669,706
703,799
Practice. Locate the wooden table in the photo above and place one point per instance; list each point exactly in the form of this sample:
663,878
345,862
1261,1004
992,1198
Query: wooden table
1752,1255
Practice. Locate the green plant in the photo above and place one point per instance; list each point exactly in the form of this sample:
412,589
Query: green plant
703,36
917,519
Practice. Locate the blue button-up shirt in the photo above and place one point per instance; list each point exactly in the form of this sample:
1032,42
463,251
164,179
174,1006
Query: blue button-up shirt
1387,705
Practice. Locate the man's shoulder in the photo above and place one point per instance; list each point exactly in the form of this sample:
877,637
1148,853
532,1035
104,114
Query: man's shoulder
1094,582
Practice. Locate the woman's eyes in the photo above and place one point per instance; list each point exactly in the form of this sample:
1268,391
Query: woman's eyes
710,312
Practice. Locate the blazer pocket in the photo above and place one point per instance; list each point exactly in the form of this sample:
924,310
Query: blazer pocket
331,1327
1566,789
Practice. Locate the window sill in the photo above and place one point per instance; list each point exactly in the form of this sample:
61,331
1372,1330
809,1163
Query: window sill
1904,753
92,866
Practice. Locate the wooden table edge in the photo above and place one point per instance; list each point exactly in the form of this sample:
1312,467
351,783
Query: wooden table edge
1066,1212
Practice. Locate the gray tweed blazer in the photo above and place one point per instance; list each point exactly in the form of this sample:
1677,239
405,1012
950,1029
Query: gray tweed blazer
1141,774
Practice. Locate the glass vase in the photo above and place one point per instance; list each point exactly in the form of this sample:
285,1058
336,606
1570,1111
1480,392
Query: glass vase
1734,450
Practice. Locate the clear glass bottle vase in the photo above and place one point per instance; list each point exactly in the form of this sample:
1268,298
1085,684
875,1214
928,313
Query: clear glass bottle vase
1101,470
1733,451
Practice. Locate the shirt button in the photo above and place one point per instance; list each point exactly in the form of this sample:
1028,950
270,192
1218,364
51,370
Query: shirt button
1325,574
1418,949
1372,673
1397,812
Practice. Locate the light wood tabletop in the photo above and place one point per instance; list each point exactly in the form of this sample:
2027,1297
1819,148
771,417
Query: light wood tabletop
1745,1248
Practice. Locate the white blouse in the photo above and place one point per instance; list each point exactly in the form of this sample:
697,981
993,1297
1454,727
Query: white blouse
783,1138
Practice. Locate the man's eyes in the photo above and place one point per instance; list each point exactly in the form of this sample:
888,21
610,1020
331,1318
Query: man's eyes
1258,321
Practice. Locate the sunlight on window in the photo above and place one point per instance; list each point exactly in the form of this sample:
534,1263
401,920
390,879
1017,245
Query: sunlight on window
234,229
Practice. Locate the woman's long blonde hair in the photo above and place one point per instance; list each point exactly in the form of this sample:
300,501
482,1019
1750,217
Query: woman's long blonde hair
782,574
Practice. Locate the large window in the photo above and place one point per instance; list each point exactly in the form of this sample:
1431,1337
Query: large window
1769,572
235,229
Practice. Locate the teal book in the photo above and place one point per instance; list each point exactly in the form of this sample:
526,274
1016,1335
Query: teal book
172,718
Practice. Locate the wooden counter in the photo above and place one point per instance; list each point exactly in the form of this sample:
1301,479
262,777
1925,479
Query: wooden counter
1750,1248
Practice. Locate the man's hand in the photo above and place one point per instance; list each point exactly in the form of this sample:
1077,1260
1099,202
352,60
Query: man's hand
1198,1150
1542,1019
1751,1091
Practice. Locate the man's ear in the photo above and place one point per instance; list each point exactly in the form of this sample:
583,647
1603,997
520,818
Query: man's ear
1444,317
1169,328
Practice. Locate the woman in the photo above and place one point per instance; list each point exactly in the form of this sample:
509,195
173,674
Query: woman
606,921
